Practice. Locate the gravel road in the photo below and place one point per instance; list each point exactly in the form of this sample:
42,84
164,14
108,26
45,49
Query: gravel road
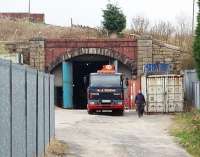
115,136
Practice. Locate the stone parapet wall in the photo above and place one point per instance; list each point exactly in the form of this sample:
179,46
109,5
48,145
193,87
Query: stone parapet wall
169,54
33,52
21,47
152,51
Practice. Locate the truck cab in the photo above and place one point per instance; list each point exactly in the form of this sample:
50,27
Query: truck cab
105,91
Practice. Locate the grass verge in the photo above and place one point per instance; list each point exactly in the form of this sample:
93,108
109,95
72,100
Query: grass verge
186,128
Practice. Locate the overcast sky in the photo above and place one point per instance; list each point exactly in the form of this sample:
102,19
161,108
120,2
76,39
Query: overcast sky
89,12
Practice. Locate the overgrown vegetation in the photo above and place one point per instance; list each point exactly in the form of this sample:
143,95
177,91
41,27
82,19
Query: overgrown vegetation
186,128
2,48
196,46
23,30
57,149
178,33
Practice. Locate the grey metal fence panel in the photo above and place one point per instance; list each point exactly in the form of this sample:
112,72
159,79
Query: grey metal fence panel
27,111
189,77
52,108
192,87
31,112
198,96
196,91
40,115
18,111
46,108
5,109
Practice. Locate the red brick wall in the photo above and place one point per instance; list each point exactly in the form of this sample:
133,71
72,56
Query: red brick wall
58,47
38,18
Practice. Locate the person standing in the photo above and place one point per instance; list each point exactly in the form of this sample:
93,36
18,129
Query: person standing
140,103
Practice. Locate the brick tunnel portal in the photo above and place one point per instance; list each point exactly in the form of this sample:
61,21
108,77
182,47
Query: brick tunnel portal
81,66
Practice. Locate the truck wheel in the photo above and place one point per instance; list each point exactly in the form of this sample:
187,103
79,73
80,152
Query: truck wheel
90,112
120,112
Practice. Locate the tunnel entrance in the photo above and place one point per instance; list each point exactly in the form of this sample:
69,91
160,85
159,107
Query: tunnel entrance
81,66
81,69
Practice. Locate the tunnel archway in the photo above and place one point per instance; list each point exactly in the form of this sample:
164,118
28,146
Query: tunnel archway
93,51
83,64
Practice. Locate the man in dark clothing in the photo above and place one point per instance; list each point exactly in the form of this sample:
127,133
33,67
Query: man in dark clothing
140,102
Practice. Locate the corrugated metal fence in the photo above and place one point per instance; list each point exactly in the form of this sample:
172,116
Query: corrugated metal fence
192,88
26,111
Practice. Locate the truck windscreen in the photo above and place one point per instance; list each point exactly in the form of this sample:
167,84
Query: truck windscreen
105,81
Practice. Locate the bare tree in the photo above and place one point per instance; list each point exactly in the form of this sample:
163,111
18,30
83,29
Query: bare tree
140,25
162,31
183,36
178,33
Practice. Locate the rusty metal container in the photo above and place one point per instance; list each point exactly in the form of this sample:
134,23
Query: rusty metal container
163,93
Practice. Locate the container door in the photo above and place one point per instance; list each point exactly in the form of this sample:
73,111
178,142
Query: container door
155,94
174,93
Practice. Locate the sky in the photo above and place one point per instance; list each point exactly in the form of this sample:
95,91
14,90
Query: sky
89,12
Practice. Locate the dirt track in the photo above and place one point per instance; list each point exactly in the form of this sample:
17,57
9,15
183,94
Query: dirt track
116,136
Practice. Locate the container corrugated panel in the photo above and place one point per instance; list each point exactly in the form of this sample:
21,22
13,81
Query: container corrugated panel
163,93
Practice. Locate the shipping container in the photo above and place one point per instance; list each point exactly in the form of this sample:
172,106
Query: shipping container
14,57
163,93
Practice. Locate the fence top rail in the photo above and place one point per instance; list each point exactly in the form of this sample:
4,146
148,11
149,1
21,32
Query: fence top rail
190,71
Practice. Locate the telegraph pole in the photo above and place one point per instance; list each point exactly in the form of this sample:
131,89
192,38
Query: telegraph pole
193,17
29,10
29,6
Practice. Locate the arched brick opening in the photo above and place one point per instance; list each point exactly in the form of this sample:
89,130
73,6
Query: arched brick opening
94,51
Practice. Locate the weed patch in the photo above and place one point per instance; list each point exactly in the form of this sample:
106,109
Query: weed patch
57,149
186,128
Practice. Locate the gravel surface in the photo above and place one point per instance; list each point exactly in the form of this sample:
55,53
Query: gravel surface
104,135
